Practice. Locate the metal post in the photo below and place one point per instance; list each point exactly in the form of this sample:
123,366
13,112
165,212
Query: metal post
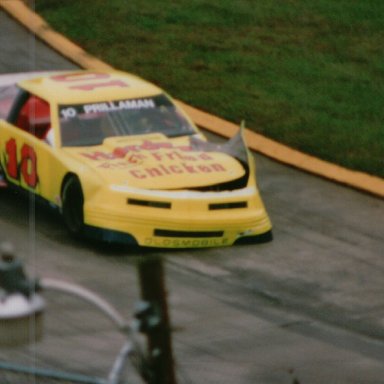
157,326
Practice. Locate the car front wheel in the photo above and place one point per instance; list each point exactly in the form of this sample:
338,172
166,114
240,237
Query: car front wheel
72,208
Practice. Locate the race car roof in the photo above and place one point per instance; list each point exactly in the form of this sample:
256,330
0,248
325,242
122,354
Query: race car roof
84,86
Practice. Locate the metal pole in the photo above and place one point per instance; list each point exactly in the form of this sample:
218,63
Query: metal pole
153,291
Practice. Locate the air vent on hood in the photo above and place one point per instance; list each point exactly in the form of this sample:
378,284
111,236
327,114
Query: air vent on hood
232,205
149,203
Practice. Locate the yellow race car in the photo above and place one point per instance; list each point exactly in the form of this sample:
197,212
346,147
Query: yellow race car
123,162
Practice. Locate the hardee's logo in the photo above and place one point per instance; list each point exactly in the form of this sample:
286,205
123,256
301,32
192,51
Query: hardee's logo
157,159
147,146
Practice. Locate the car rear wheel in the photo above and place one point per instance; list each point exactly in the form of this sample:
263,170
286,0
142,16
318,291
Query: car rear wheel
72,208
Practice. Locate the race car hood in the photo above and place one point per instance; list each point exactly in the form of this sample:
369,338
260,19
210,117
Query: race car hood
157,162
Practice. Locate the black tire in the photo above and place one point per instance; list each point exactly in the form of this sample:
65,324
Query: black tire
72,208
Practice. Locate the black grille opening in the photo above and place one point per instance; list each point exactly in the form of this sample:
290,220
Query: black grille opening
149,203
232,205
193,234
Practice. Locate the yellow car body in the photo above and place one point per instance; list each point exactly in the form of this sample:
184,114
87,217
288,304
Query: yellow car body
123,162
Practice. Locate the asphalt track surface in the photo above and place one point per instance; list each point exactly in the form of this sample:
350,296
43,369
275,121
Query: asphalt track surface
306,308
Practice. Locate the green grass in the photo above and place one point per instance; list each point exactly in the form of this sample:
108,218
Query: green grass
308,73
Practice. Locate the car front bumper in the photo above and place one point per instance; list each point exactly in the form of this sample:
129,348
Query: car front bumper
182,219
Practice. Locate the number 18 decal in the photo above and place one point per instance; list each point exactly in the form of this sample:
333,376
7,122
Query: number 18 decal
26,168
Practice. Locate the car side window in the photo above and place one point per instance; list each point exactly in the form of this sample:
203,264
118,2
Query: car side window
34,117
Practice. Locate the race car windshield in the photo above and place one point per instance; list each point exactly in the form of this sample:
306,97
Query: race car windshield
90,124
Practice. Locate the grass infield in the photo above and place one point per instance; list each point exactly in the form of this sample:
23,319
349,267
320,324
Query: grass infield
309,74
